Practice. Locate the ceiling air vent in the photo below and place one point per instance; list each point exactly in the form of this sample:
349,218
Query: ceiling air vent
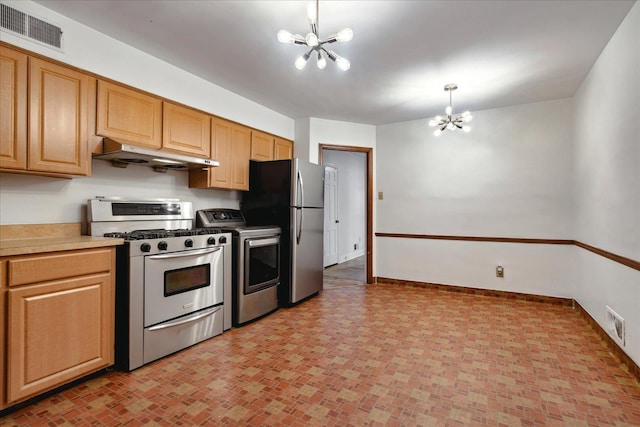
30,27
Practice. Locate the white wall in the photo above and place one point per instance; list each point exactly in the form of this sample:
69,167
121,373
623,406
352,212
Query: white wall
352,213
607,180
333,132
90,50
26,199
509,177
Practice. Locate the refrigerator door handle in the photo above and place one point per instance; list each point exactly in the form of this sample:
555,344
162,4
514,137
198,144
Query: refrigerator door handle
301,185
299,233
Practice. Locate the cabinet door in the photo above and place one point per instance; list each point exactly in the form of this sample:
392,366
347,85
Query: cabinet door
241,152
58,134
186,131
60,331
3,343
13,109
261,146
129,115
283,149
231,146
221,146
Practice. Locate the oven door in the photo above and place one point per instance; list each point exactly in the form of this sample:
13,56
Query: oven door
261,263
180,283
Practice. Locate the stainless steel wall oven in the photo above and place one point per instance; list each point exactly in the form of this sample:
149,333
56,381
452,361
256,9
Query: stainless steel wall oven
172,280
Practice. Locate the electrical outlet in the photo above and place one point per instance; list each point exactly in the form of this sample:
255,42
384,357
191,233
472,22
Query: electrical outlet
499,271
380,195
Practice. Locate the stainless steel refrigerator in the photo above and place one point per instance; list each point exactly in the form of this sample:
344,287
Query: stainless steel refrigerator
290,194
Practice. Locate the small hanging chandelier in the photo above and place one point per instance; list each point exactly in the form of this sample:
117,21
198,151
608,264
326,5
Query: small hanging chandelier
316,45
451,121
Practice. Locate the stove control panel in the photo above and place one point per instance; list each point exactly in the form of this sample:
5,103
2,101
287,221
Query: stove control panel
151,246
207,218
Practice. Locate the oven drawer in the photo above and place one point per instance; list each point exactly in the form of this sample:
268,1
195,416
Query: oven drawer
169,337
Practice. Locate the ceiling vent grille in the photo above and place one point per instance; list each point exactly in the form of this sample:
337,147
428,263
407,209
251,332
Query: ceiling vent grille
30,27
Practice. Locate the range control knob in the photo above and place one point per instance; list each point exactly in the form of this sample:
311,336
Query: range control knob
163,246
222,239
188,243
145,247
211,241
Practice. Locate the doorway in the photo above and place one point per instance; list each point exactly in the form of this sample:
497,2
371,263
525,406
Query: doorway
366,154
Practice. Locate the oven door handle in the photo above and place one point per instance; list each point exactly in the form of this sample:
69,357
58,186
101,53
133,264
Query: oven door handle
185,254
263,242
187,320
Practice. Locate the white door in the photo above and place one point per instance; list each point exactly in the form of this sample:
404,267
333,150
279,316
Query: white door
330,215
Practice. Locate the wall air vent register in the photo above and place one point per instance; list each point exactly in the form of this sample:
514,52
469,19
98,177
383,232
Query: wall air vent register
30,27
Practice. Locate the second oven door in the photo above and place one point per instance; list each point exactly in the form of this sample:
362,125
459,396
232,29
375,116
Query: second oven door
261,263
180,283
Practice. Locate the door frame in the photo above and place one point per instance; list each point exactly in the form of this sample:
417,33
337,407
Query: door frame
325,212
369,166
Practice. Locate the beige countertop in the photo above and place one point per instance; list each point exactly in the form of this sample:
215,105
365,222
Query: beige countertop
38,238
52,244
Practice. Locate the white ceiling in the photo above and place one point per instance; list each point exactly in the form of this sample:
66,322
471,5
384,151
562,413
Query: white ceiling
402,54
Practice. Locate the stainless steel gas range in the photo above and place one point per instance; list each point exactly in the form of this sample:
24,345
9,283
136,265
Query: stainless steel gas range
173,281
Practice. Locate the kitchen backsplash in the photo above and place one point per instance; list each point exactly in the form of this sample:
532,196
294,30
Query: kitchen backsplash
27,199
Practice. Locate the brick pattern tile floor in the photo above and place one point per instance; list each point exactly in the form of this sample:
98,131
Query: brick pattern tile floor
371,355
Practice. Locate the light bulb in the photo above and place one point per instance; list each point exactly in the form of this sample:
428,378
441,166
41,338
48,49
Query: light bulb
467,117
450,126
438,118
437,132
343,63
344,35
311,13
448,110
285,36
321,61
466,129
432,122
466,113
302,61
311,40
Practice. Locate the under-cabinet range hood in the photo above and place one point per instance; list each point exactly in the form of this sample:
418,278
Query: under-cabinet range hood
122,154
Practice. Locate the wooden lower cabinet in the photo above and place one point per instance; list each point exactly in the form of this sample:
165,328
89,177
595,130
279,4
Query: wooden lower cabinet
3,333
60,326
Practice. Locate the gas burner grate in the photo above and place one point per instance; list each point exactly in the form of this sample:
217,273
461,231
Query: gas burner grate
162,234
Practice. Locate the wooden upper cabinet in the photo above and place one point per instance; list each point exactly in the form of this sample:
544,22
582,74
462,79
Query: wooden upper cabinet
58,116
186,130
13,109
231,146
261,146
283,149
129,115
241,151
221,146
